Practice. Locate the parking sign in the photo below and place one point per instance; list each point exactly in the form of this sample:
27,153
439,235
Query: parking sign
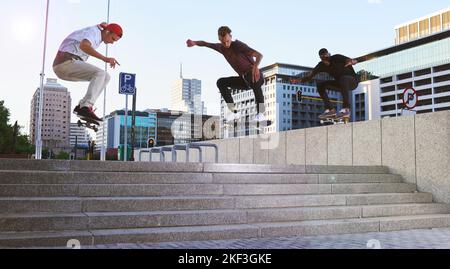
127,84
410,98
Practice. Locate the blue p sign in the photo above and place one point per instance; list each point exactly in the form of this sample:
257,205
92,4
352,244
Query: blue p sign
127,84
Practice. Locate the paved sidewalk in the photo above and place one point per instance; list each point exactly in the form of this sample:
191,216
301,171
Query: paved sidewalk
414,239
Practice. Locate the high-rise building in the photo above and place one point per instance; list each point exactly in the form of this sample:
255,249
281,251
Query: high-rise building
79,135
422,64
186,96
55,116
282,106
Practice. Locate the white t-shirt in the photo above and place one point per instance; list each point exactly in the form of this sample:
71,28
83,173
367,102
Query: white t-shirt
72,43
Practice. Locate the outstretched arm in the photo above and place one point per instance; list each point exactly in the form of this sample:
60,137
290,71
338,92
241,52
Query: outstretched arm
344,59
308,77
351,62
86,46
191,43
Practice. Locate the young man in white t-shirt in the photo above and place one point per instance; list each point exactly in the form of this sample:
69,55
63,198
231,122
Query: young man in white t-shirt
70,62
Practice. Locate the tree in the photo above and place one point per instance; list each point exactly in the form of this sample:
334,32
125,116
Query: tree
366,75
11,140
6,131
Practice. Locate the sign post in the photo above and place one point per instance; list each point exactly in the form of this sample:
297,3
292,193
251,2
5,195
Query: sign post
410,101
127,86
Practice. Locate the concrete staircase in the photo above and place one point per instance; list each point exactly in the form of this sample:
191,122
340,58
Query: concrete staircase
47,203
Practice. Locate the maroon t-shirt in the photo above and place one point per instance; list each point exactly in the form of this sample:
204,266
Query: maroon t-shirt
239,56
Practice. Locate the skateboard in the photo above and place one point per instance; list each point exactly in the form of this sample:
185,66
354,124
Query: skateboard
88,123
335,121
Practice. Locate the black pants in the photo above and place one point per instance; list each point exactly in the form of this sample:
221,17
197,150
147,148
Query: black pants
344,85
226,85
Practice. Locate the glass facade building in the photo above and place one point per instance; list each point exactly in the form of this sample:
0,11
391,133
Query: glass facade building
427,55
422,64
145,128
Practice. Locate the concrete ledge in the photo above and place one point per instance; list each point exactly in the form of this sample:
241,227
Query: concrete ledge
414,147
317,146
433,154
399,147
340,142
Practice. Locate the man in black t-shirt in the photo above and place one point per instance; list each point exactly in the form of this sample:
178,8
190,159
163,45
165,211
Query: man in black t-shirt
345,80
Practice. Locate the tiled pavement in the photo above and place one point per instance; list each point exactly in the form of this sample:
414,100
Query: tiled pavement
414,239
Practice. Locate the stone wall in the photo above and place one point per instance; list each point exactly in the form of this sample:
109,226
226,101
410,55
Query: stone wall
416,147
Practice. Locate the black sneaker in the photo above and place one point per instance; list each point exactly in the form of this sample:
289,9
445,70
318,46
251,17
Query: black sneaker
77,110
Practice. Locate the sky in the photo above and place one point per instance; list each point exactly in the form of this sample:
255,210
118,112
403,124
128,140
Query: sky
155,34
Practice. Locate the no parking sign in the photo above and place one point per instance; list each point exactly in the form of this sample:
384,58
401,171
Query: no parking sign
410,98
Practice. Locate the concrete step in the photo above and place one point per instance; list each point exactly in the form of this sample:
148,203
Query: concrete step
111,204
19,205
310,189
119,220
241,231
351,226
229,178
131,220
108,190
286,201
292,169
343,212
58,177
58,239
90,166
105,190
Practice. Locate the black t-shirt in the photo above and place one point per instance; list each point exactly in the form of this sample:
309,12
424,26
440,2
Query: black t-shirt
337,67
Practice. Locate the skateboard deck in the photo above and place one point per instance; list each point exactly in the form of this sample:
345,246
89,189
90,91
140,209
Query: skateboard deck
88,123
335,121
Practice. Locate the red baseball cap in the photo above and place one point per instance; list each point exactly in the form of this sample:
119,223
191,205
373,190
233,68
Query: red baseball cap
115,28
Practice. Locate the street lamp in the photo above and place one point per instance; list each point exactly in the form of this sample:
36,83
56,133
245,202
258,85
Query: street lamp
103,148
38,152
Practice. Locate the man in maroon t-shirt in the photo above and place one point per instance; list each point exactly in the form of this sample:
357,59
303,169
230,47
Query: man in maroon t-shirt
245,61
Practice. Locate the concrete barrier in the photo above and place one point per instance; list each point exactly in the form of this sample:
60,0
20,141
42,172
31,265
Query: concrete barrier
415,147
433,154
